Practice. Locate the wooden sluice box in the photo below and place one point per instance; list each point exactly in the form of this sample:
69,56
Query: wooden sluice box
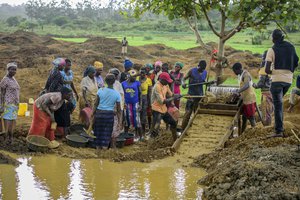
229,105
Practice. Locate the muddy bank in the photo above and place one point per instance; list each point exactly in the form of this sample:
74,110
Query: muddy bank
147,151
254,167
6,159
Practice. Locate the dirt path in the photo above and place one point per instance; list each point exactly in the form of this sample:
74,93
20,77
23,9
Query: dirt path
204,135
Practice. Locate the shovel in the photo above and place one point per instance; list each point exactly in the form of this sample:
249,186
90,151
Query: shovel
259,114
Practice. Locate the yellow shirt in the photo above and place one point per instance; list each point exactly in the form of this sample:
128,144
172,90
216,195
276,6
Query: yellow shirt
145,85
248,95
158,96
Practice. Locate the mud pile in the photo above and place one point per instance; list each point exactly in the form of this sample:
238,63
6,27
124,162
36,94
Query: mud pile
253,166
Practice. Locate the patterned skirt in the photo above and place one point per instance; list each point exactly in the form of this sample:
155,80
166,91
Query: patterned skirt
103,127
10,112
132,115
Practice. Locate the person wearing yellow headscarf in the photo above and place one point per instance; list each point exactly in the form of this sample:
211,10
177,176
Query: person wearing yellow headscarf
99,69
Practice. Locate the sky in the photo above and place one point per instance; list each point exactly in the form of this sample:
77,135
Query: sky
19,2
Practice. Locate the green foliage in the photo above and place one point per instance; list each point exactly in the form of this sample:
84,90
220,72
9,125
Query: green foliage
60,20
148,38
13,21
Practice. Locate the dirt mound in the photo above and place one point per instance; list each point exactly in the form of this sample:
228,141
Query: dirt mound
254,167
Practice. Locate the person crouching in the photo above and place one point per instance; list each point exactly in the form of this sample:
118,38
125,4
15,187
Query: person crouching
43,114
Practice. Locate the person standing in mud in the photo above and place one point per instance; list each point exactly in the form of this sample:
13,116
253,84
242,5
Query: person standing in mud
146,87
43,114
99,69
195,75
118,125
178,81
9,97
281,62
264,85
247,93
124,46
107,99
159,109
133,102
89,88
127,66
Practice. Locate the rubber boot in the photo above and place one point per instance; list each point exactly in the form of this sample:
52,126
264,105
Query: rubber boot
174,133
252,122
244,123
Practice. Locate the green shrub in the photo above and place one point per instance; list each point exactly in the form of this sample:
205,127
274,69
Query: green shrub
148,38
256,40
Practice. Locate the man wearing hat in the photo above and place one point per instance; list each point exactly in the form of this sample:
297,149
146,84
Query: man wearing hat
160,92
195,75
281,61
178,81
127,66
133,101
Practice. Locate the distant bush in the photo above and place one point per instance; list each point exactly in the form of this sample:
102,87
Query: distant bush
148,38
60,20
13,21
256,40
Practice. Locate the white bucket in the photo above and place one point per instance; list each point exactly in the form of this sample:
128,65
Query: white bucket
27,114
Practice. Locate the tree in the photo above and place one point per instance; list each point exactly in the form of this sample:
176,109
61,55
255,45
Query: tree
13,21
244,13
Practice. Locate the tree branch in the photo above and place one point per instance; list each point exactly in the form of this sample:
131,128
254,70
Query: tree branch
208,19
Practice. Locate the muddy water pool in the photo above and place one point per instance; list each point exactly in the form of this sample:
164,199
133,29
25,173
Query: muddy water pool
52,177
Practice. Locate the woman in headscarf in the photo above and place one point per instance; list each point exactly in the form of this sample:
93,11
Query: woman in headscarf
133,101
55,80
99,68
89,88
63,114
43,114
107,99
10,92
177,76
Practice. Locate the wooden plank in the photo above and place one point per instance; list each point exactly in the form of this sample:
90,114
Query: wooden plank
178,141
217,112
229,132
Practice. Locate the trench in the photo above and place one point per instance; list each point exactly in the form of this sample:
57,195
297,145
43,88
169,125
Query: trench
53,177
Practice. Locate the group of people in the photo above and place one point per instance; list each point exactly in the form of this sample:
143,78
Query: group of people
275,78
121,101
139,100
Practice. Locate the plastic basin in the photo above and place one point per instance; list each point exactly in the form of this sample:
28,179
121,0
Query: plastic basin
75,140
37,143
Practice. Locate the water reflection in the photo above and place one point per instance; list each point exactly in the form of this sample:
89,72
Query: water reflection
61,178
28,186
77,188
179,185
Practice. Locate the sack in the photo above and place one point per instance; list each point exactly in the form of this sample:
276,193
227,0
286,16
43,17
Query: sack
174,112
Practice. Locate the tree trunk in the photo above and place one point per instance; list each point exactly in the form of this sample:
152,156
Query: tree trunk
219,69
199,39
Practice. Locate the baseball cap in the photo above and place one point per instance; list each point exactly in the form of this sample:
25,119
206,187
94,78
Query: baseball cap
165,76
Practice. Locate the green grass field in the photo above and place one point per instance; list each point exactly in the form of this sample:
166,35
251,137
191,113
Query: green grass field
241,41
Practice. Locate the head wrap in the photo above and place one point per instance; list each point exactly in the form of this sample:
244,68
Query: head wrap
89,70
132,72
149,65
158,63
11,64
98,65
58,62
128,64
180,64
